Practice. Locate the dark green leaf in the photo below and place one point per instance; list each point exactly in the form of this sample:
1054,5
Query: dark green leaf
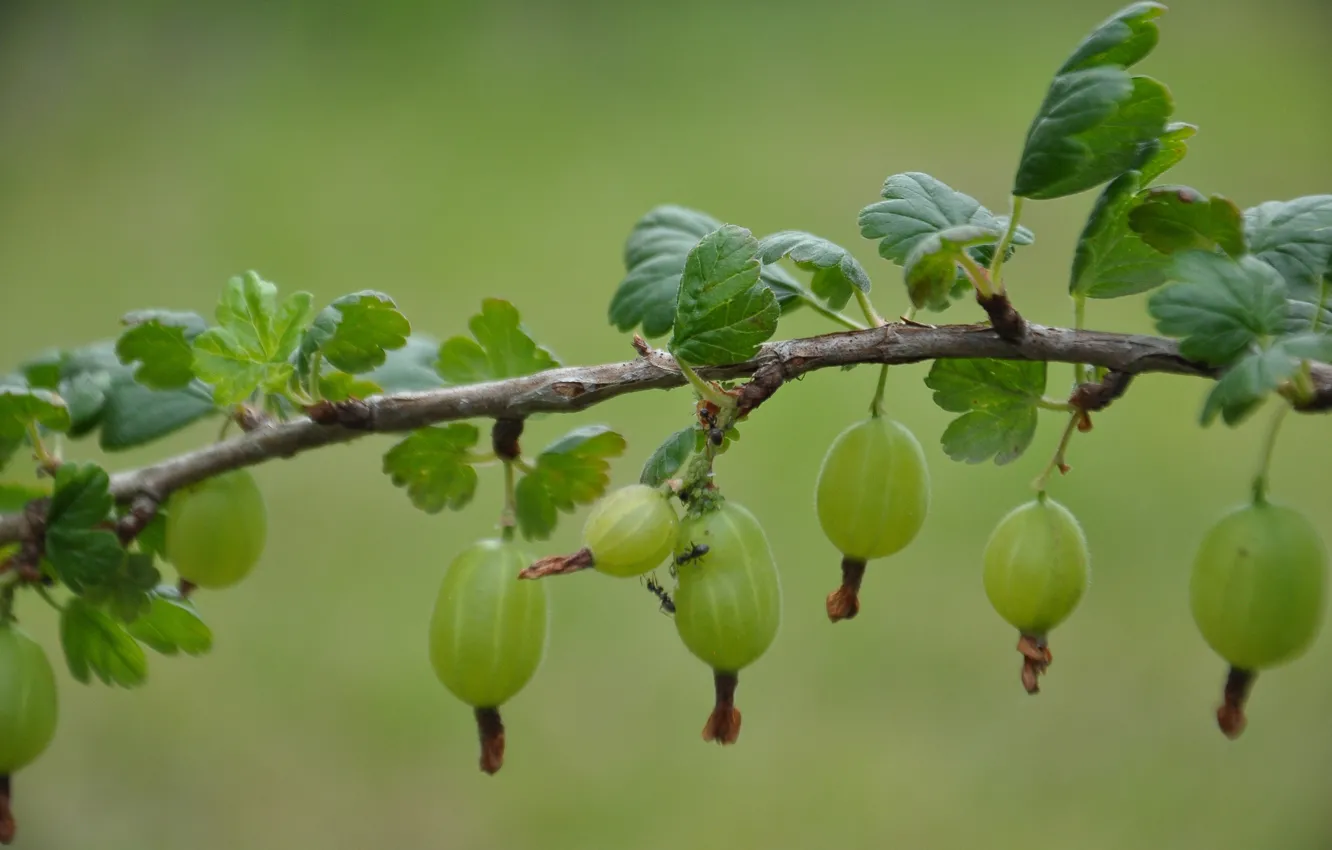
97,645
15,496
21,406
1221,307
432,463
152,539
355,332
654,259
998,401
83,554
82,378
410,368
172,625
43,371
931,269
166,361
1124,39
724,314
1177,218
1295,238
1311,309
1246,384
124,593
1172,148
135,415
571,471
915,206
1111,260
668,457
502,348
836,272
1094,124
340,386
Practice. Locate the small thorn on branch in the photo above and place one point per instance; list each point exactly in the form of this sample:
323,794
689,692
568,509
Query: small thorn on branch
352,413
1230,714
490,730
723,724
844,602
504,436
1004,317
558,565
1036,658
1091,397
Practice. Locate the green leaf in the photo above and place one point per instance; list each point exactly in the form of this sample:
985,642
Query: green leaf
1097,121
502,348
355,333
724,313
1173,146
916,206
1246,384
432,463
1112,261
159,340
152,539
14,496
125,592
998,401
931,269
97,645
667,459
83,554
571,471
135,415
1093,125
252,346
172,625
654,259
410,368
21,406
1123,39
1295,238
1177,218
82,377
339,386
836,272
1220,307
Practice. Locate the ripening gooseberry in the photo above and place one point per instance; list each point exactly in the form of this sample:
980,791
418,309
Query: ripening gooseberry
488,635
631,531
872,496
1036,570
28,710
216,529
727,602
1257,594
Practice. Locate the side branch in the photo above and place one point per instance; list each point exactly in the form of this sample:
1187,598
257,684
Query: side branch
575,388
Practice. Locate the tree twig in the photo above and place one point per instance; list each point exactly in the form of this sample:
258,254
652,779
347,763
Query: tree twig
575,388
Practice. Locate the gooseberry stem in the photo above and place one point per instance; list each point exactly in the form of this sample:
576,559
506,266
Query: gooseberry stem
980,278
818,307
316,363
47,461
509,517
1000,252
876,406
1081,375
1261,480
867,307
1057,461
706,391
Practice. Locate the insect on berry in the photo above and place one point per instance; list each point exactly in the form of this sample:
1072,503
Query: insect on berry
654,587
695,551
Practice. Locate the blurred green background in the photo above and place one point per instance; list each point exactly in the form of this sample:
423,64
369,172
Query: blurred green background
445,152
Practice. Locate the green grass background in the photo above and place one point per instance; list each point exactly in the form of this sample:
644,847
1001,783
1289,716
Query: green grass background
446,152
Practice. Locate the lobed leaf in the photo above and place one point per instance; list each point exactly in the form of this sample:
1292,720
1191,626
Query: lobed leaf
125,591
1295,238
724,313
1177,218
96,645
500,347
931,269
998,401
432,464
1220,308
410,368
1112,261
572,471
669,457
915,206
354,333
252,346
22,406
172,625
159,341
1171,148
654,260
83,553
1256,375
836,273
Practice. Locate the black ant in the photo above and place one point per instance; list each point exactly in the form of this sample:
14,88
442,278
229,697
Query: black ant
667,605
696,551
708,417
